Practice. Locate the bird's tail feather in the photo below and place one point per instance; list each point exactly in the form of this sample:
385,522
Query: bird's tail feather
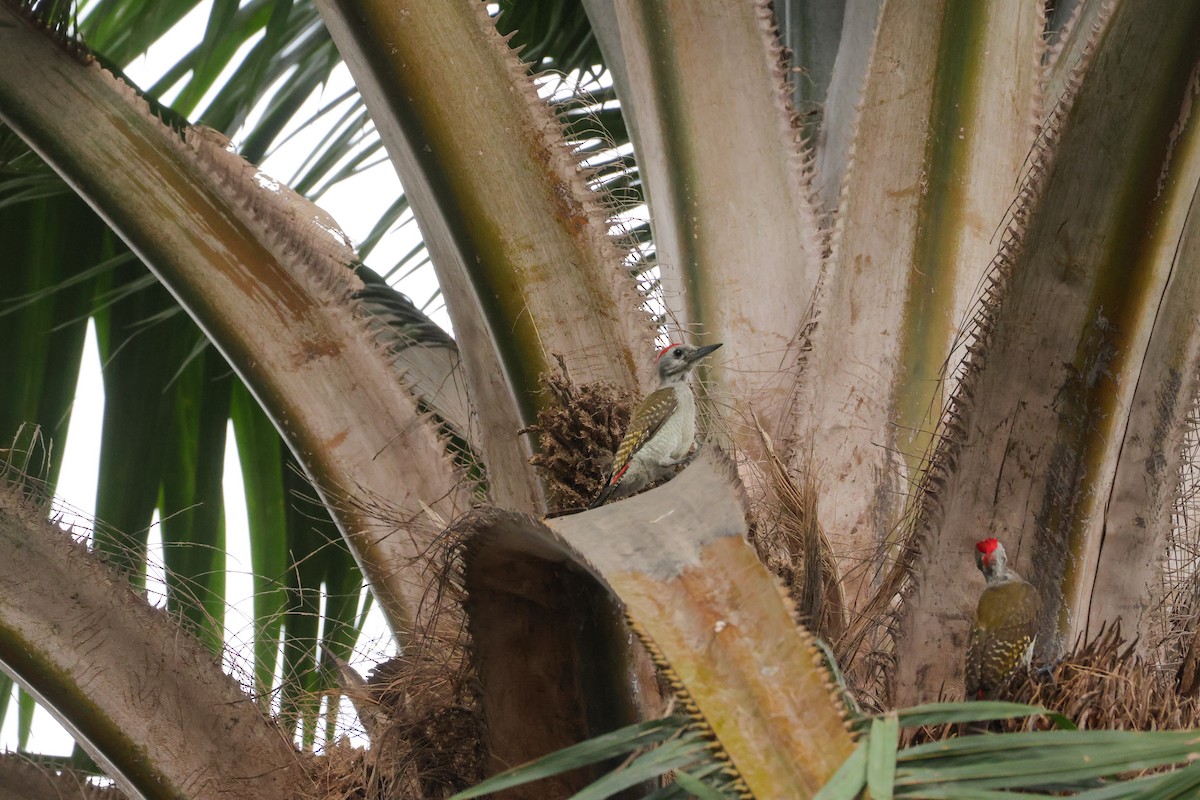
605,494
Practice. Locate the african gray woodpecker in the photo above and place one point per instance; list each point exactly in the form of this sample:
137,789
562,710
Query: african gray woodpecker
1005,623
663,427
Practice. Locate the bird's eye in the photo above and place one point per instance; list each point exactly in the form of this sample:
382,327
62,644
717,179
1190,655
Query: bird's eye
679,353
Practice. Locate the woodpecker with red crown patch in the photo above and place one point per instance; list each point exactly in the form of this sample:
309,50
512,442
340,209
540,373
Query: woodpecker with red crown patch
663,427
1005,626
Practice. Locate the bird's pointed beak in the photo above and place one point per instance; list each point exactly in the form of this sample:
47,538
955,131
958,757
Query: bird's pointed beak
701,352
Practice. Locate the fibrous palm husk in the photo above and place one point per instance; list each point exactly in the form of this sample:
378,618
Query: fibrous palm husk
578,433
434,729
425,733
789,539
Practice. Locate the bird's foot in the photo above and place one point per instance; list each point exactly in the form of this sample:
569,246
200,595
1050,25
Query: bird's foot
689,458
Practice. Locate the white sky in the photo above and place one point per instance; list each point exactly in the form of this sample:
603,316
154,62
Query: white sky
356,204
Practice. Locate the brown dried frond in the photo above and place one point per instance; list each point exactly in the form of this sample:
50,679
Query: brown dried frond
1102,685
789,539
578,432
1106,685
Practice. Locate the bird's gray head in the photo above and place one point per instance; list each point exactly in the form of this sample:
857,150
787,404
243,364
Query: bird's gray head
991,559
675,361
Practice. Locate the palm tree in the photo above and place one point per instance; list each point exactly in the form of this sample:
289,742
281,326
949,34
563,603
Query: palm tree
950,308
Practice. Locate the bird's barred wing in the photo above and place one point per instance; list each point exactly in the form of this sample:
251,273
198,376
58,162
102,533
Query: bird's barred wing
655,410
974,667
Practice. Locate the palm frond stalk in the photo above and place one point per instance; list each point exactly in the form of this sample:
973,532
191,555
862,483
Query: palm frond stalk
956,304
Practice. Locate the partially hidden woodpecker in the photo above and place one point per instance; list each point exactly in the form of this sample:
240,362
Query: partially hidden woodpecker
663,427
1005,624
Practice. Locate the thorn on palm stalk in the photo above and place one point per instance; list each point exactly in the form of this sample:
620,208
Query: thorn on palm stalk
23,776
26,464
731,781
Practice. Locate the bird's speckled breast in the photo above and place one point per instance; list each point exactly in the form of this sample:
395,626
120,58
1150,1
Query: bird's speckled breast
674,439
